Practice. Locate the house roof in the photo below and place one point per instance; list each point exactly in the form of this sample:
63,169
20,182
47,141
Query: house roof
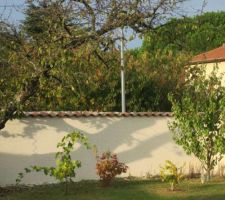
69,114
215,55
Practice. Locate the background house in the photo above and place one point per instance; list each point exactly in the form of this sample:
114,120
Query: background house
210,59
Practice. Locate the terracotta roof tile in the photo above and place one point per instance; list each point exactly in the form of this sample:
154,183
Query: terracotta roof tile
68,114
215,55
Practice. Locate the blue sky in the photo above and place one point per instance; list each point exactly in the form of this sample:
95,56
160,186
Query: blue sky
191,7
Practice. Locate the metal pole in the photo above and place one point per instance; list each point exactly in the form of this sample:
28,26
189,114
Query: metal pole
122,73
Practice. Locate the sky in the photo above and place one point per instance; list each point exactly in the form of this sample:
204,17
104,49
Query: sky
190,8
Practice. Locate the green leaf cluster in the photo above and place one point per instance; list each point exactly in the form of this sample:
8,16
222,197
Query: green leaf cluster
66,167
171,173
189,34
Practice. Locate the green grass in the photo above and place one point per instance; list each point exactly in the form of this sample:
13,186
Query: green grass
123,190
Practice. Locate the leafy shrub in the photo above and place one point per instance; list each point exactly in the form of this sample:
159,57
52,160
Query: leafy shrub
108,167
65,166
172,174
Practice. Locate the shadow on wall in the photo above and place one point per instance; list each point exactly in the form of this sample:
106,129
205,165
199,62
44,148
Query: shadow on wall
142,143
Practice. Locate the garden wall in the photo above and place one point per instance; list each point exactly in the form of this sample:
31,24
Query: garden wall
141,140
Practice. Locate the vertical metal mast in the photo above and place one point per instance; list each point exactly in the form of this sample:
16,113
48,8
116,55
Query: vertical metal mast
122,72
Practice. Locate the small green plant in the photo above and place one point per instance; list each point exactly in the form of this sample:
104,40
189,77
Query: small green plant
172,174
65,166
108,167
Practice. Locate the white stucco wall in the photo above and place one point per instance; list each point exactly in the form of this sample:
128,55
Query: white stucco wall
143,143
221,69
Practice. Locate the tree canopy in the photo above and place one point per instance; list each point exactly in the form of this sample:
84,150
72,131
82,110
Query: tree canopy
82,61
63,47
189,34
168,48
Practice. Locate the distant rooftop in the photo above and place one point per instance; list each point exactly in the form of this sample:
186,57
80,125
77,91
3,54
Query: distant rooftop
215,55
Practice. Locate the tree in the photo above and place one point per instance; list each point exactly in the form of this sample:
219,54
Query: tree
155,74
39,59
199,118
189,34
165,51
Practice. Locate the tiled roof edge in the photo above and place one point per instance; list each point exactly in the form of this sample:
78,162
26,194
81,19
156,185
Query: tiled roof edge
207,61
69,114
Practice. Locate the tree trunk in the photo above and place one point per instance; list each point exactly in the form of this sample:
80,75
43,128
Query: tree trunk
172,186
30,90
66,187
208,174
209,157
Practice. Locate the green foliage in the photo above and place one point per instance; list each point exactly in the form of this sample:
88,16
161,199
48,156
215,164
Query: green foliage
164,53
171,173
65,166
27,69
108,167
199,116
151,76
86,77
190,34
42,16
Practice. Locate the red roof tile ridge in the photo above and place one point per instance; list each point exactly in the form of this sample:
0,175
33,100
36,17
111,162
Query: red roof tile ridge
67,114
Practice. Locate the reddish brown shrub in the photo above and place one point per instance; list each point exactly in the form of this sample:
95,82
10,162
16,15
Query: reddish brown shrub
108,167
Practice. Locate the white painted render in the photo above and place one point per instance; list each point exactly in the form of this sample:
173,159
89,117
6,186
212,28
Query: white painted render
221,69
143,143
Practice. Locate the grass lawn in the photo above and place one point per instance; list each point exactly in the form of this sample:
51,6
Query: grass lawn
124,190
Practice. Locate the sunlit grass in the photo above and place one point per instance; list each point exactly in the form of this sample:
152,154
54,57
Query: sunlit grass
124,190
